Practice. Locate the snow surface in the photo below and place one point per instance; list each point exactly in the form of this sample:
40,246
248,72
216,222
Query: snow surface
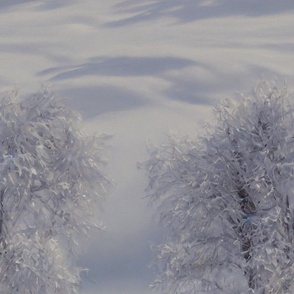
137,69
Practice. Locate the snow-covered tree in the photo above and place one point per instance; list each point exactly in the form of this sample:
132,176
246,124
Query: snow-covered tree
226,200
50,183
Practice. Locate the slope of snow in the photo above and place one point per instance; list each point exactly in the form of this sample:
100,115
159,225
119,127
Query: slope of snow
137,69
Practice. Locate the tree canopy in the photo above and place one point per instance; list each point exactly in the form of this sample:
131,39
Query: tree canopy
50,182
226,200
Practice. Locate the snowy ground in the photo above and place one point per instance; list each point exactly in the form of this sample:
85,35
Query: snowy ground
137,69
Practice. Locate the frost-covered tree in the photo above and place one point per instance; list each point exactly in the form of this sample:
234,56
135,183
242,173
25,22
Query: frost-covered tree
226,201
50,183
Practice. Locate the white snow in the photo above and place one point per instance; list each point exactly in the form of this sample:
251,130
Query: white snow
137,69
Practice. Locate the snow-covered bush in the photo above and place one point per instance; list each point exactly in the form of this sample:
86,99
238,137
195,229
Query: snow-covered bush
226,201
50,182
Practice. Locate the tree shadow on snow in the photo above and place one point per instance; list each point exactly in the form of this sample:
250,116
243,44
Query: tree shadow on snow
222,85
192,10
118,66
93,101
7,3
193,89
42,5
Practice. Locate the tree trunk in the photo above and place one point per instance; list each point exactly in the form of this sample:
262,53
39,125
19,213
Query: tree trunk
1,218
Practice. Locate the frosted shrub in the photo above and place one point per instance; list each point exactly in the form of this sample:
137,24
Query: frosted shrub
50,183
226,201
